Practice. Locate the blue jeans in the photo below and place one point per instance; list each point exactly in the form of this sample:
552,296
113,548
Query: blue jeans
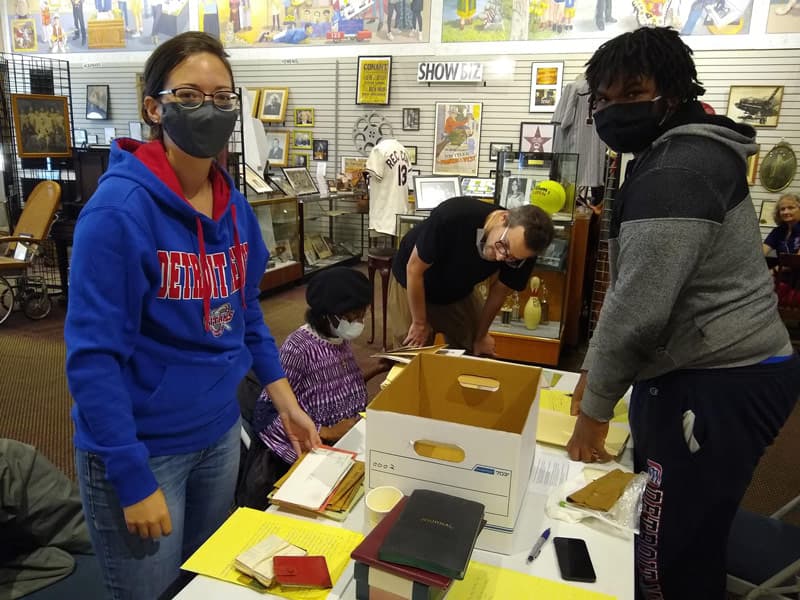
199,489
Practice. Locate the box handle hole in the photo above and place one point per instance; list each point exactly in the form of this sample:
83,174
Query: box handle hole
439,451
474,382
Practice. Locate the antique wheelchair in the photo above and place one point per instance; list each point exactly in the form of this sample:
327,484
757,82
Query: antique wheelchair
22,281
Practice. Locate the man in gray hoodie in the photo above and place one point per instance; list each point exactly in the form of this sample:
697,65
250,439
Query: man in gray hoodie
689,318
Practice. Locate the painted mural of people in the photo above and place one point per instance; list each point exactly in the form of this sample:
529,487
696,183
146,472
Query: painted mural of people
79,21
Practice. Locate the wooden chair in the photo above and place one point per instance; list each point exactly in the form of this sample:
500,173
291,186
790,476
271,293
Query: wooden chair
33,227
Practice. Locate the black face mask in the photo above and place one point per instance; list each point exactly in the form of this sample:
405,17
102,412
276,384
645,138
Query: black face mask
631,126
201,132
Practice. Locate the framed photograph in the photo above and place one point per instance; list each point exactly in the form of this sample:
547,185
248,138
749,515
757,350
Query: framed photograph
299,159
97,102
412,154
546,79
79,138
303,117
412,174
308,251
278,148
320,149
252,95
272,104
300,179
410,119
42,125
765,217
91,139
321,248
282,251
255,181
302,140
278,182
430,192
457,138
135,130
536,137
758,105
516,191
752,167
495,147
23,35
373,81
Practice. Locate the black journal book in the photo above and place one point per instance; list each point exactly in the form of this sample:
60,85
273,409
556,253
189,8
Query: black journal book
435,532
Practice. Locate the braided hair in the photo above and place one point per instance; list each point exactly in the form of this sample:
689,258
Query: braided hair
656,52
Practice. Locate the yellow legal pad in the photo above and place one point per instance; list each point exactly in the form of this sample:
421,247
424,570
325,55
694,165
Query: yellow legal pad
485,581
555,424
246,527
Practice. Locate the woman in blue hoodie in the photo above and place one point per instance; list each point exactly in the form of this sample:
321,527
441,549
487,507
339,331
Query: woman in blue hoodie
163,324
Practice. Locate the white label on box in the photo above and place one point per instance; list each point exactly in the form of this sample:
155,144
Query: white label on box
488,485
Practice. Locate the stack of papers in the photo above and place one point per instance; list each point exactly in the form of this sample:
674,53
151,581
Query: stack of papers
406,354
327,481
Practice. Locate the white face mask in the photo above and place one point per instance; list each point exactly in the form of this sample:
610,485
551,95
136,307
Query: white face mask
348,330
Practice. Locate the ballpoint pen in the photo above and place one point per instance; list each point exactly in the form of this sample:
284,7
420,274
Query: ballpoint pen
537,547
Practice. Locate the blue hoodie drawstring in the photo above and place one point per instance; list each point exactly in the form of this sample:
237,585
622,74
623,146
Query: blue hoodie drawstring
239,258
205,287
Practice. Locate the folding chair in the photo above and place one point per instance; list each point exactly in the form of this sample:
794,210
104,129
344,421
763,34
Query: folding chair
764,555
19,252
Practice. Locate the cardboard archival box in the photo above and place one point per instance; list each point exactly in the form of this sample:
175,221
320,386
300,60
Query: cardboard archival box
462,426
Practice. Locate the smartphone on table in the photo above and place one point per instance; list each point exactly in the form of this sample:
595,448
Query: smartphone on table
573,560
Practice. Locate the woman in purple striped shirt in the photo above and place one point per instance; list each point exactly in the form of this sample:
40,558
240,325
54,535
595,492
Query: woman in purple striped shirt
320,364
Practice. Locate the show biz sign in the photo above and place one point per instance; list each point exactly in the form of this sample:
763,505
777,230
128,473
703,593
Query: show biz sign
449,72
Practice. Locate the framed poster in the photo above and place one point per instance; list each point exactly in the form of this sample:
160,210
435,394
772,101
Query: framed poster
374,77
457,138
546,79
300,179
97,102
536,137
410,119
23,35
353,167
304,117
42,125
278,148
758,105
272,104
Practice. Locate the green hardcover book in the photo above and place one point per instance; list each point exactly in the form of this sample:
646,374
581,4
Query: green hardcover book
435,532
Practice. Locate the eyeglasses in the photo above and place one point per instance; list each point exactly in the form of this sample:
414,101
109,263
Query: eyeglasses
504,250
192,98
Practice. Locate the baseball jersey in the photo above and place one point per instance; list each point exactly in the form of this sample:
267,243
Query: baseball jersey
388,169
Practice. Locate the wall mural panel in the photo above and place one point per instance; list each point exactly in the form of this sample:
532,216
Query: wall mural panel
515,20
60,26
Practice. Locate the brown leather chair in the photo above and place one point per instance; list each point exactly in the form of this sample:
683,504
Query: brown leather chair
33,227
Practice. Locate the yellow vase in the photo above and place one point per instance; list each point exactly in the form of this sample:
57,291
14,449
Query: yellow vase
533,313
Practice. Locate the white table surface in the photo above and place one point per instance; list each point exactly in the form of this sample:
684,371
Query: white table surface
612,555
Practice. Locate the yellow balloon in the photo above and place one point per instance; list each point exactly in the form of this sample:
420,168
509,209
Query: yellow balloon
548,195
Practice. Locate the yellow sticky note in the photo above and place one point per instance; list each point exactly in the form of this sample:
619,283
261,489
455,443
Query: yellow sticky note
246,527
485,582
363,415
557,401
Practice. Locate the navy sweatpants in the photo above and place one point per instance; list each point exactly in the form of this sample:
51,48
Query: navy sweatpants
692,496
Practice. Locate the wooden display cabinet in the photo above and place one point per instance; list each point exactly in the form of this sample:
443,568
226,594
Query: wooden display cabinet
279,221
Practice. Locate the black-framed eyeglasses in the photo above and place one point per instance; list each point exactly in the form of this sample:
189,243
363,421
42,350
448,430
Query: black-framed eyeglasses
192,98
504,250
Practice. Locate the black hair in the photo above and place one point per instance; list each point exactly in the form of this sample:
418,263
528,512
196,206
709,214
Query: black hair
320,322
657,52
537,224
166,57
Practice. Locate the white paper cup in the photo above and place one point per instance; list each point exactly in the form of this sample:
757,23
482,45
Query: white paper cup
379,503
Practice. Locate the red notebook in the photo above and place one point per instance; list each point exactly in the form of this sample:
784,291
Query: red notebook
367,553
302,571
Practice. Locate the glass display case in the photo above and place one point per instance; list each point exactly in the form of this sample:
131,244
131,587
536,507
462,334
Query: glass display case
404,224
331,230
531,324
279,221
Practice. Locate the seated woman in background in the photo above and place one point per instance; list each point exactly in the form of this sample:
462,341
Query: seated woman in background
320,364
785,238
